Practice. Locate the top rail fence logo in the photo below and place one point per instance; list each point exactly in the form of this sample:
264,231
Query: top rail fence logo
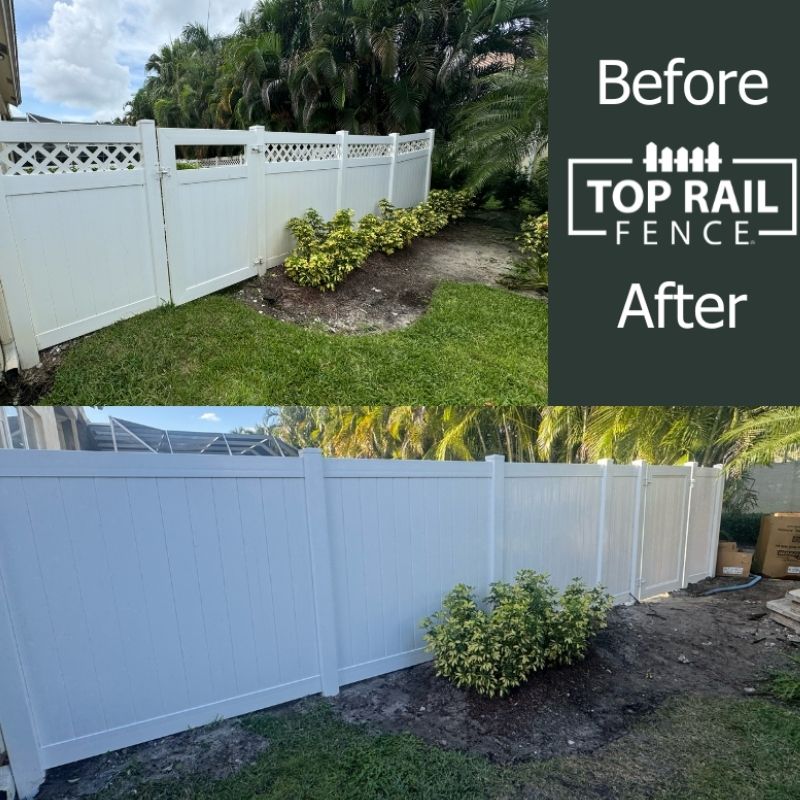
673,196
682,196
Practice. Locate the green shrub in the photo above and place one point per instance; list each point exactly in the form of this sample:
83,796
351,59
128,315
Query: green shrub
739,527
531,271
327,252
519,629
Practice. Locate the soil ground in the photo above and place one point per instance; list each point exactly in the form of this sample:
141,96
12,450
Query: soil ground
26,388
681,644
390,292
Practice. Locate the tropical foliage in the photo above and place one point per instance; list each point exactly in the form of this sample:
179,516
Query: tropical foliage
446,432
504,130
521,628
368,66
531,271
737,436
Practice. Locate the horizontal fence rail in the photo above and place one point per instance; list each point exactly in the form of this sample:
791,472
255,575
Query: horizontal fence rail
102,222
141,593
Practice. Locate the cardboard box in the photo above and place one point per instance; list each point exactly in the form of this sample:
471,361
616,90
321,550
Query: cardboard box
778,548
731,563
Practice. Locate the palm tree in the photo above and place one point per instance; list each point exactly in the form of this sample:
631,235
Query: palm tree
368,66
764,435
440,433
506,128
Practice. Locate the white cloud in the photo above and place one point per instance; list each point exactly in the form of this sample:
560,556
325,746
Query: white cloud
89,56
209,416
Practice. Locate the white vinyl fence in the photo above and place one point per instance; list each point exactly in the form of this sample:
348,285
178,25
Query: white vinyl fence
141,594
98,222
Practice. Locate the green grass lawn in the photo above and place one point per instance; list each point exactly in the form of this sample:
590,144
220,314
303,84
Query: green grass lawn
695,748
475,344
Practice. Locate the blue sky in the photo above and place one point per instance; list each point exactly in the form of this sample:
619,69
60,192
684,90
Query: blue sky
213,419
82,59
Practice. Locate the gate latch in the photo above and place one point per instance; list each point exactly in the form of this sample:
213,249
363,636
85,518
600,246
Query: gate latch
163,172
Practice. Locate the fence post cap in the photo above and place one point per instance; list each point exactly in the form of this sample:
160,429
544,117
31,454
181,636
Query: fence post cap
605,462
145,123
639,462
495,458
257,128
311,451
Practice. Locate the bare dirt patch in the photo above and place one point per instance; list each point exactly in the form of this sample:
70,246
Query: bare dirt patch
215,752
719,645
390,292
27,387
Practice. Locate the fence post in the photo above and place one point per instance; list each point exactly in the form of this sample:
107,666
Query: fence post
342,169
258,197
20,738
155,206
602,525
321,568
394,137
691,465
716,520
429,169
639,511
497,517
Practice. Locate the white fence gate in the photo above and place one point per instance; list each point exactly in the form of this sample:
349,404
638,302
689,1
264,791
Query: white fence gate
141,594
85,211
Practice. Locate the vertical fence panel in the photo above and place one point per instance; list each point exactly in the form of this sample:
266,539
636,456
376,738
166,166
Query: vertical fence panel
551,520
78,216
16,715
666,508
403,533
701,548
210,211
621,539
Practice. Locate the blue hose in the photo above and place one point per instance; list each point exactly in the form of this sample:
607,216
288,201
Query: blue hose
719,589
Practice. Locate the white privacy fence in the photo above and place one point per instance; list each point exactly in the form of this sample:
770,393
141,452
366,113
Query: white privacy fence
141,594
98,223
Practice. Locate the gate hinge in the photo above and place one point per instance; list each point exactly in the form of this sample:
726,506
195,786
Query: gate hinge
256,148
258,262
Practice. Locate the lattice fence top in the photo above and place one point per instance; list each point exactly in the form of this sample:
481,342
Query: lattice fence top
369,150
284,152
413,147
48,158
